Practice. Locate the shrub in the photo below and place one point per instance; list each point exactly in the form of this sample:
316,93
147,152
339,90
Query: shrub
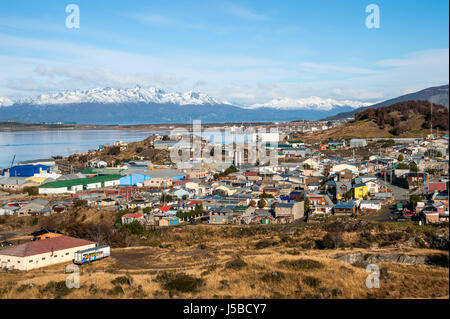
236,264
122,280
264,243
179,282
326,242
302,264
58,289
117,290
312,282
273,276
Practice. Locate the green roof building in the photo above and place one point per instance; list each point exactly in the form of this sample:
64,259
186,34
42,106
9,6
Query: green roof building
79,184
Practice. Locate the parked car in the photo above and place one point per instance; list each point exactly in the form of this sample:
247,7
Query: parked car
402,218
6,244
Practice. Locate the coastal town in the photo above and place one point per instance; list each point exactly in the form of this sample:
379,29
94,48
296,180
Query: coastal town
383,180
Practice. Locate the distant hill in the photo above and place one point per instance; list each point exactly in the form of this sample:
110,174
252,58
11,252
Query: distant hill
403,119
437,95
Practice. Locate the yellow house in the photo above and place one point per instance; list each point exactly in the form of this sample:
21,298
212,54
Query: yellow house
360,191
226,189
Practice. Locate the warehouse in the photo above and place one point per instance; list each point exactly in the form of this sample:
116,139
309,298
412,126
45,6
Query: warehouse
27,170
79,184
42,253
135,179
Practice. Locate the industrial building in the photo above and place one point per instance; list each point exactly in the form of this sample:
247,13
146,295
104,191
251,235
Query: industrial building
27,170
79,184
42,253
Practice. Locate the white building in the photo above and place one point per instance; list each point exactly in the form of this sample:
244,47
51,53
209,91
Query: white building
42,253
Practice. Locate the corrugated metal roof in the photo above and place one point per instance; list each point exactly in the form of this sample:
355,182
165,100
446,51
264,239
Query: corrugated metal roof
81,181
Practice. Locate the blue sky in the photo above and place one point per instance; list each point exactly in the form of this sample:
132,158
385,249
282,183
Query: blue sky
245,52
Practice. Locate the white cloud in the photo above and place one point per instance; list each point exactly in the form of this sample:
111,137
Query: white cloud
242,12
311,103
51,65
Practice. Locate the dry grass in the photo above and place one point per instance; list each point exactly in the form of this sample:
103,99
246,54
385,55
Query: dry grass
334,279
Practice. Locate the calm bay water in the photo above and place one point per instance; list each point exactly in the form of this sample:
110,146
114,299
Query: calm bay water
29,145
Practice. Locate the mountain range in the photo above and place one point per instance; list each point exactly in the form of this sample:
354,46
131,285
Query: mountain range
436,95
141,105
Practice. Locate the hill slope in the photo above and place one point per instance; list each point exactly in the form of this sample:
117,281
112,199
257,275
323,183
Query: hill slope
403,119
437,95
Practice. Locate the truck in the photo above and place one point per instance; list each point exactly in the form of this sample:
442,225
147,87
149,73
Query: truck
91,254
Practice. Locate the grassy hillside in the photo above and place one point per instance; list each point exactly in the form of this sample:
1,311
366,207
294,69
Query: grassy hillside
404,119
269,261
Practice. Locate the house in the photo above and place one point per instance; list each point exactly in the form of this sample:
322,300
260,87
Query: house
45,234
314,186
159,182
221,216
257,216
340,167
320,204
13,183
430,216
385,198
437,186
345,208
335,144
372,186
358,142
180,193
225,190
9,210
415,179
360,191
345,175
293,210
168,144
42,253
166,221
129,218
34,207
370,205
341,189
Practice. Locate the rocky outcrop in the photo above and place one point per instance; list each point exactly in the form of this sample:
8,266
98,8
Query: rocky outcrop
360,259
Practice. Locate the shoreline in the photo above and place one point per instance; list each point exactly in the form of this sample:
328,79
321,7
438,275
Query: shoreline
19,126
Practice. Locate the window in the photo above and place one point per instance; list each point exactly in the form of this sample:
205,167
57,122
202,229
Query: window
67,254
43,258
31,261
55,256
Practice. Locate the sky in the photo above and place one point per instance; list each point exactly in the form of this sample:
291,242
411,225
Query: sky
244,52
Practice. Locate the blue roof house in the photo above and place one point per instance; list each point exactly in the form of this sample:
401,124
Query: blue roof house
179,193
133,179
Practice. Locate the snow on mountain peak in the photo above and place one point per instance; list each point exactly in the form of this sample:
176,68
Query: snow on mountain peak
4,101
311,103
108,95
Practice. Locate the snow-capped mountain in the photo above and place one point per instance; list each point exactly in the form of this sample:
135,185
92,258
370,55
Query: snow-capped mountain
311,103
118,96
141,105
4,101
